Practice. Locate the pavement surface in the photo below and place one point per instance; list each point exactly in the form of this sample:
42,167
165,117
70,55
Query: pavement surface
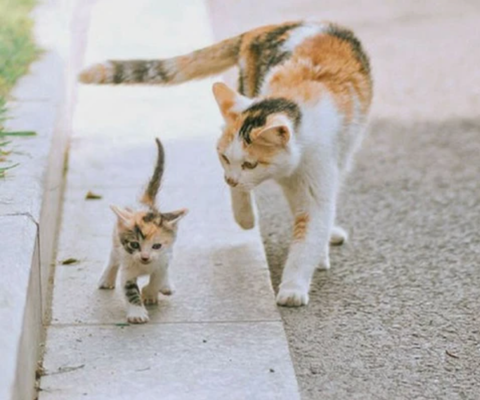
220,336
397,316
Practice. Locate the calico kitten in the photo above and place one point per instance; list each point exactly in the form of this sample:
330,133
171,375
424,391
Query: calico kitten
299,115
142,245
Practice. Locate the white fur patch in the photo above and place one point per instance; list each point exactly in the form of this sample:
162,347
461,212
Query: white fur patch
298,35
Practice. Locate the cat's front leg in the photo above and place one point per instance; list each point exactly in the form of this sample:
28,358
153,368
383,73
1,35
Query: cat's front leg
159,282
109,275
136,311
242,208
314,212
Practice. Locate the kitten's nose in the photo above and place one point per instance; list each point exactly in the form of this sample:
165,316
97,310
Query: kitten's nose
145,258
231,182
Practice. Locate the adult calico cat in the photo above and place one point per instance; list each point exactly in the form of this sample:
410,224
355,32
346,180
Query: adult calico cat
300,112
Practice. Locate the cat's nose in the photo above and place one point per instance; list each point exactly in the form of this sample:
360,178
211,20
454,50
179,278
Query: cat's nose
145,258
231,182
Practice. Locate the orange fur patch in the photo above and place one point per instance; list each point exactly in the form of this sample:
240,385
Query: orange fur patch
320,62
300,226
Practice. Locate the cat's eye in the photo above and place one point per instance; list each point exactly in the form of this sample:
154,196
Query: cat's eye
135,245
224,157
157,246
249,165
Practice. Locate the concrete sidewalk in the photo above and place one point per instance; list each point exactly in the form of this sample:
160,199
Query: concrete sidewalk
220,335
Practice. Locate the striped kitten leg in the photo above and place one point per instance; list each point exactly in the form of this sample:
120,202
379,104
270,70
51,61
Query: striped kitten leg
109,275
313,208
136,312
242,208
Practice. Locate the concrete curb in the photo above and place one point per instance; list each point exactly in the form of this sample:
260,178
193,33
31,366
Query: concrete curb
30,197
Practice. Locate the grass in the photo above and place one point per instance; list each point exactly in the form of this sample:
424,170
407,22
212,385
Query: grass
17,51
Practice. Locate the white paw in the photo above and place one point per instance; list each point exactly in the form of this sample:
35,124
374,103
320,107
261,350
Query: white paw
293,296
106,284
246,220
137,315
338,236
167,290
149,297
324,264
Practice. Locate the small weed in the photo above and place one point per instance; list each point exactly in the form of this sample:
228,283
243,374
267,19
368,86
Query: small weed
17,51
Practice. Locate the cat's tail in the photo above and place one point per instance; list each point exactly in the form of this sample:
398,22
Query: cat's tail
151,191
170,71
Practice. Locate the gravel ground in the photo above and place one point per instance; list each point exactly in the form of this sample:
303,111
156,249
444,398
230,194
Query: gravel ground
397,315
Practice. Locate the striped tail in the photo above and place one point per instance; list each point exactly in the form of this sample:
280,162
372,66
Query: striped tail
151,191
170,71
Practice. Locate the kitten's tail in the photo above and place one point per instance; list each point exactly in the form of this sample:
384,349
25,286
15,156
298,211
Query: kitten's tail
151,191
198,64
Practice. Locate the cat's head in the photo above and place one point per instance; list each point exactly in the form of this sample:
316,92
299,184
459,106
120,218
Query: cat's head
145,235
258,141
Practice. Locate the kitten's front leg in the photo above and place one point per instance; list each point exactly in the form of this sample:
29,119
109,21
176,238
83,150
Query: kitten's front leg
314,211
136,311
242,208
109,275
159,282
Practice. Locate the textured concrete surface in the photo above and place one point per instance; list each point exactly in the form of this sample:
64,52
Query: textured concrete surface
20,306
30,198
397,315
170,362
220,335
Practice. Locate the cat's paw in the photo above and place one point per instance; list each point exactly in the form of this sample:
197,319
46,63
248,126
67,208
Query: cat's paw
150,301
246,220
167,290
338,236
324,265
292,296
149,297
137,315
106,284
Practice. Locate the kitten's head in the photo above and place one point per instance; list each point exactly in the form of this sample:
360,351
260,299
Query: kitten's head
258,141
145,235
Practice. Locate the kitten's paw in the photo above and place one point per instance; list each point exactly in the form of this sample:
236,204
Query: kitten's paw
149,298
292,296
246,220
167,290
150,301
338,236
106,284
137,315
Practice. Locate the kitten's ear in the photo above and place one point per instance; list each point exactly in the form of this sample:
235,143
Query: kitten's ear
230,102
171,219
124,214
276,132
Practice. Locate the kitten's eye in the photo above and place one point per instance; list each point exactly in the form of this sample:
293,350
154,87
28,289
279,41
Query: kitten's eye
135,245
225,159
156,246
249,165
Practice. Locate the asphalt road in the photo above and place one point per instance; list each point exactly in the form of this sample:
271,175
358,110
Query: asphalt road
397,316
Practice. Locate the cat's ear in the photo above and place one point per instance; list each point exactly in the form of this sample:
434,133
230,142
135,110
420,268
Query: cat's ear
230,103
124,214
171,218
276,132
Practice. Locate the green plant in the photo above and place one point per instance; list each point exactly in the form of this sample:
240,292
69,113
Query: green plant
17,51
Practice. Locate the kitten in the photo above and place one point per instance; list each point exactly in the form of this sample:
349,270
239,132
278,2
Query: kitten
304,93
142,245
